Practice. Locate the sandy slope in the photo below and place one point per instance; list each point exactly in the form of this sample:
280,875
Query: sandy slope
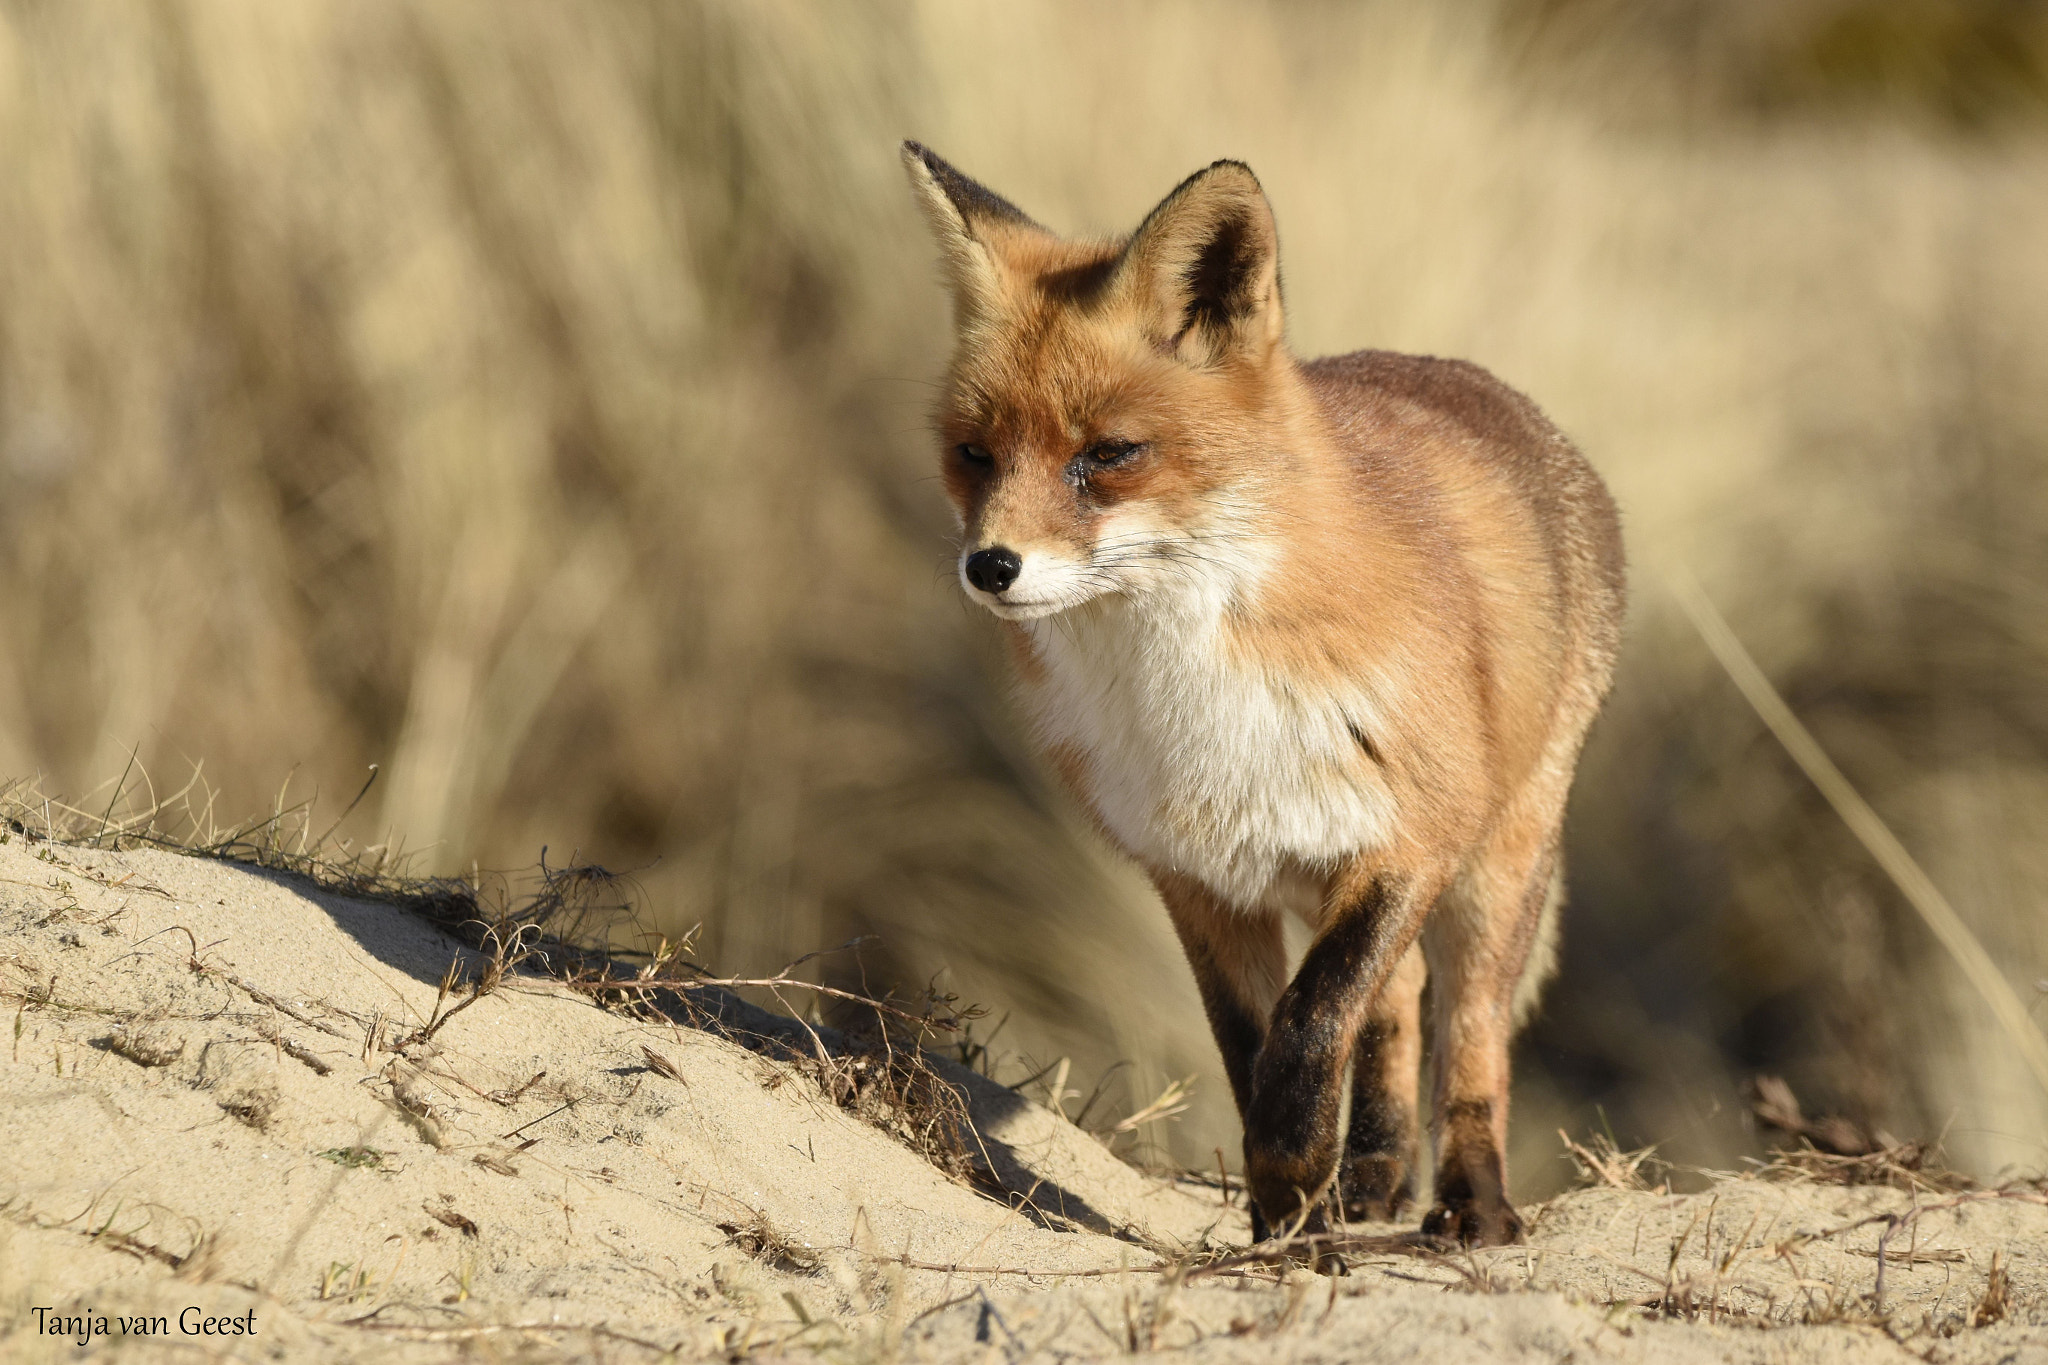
244,1138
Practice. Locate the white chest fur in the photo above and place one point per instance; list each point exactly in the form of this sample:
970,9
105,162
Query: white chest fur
1198,758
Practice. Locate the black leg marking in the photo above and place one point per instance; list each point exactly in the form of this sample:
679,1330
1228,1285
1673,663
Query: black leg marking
1294,1130
1237,1036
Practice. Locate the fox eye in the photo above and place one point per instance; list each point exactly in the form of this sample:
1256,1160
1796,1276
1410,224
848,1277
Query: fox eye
1104,453
970,453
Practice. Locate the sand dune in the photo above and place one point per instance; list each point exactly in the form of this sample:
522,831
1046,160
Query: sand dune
216,1106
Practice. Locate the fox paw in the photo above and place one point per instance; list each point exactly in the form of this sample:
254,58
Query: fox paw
1377,1189
1473,1224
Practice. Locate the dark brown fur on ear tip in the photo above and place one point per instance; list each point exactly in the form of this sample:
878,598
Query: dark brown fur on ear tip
970,199
1181,192
1226,164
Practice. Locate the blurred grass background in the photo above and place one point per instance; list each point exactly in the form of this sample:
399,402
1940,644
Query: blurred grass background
529,399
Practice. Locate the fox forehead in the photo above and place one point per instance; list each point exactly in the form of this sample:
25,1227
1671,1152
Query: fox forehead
1061,352
1053,377
1057,412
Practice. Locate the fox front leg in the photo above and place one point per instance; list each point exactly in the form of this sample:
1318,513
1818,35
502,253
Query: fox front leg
1295,1126
1239,959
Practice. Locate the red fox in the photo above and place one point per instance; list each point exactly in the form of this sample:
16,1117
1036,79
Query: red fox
1319,638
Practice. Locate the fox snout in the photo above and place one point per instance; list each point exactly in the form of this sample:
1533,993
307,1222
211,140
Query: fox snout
1021,572
1022,584
993,570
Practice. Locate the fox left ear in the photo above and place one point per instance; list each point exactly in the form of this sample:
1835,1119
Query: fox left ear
971,223
1205,267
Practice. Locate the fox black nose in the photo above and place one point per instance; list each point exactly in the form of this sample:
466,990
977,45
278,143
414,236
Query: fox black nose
994,570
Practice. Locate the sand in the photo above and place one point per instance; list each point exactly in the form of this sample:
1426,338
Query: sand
216,1142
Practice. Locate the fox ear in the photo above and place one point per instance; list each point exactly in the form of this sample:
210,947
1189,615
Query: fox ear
969,220
1205,267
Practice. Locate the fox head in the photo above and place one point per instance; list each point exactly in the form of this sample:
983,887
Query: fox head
1111,405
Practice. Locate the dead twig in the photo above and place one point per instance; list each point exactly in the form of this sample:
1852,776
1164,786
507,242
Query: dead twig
293,1048
258,994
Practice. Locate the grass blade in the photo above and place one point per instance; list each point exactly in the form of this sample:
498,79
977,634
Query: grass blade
1865,823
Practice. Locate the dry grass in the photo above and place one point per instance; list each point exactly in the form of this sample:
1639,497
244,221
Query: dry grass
527,400
567,922
1833,1150
1600,1162
1909,1166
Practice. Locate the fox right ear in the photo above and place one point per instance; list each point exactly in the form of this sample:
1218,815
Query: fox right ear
968,219
1205,266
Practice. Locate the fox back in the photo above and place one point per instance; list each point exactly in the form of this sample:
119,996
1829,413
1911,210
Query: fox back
1314,638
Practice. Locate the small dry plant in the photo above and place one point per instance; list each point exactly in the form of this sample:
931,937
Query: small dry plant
1601,1163
1171,1101
146,1043
1996,1304
760,1240
1108,1128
